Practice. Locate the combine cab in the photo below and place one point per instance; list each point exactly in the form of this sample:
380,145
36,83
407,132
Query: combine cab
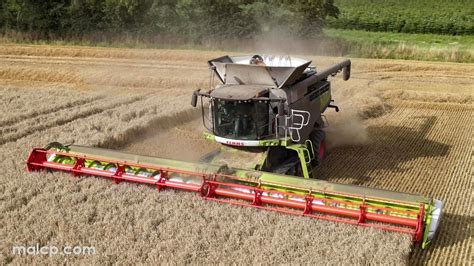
267,113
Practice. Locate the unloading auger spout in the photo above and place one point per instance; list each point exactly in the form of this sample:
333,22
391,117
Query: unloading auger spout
267,114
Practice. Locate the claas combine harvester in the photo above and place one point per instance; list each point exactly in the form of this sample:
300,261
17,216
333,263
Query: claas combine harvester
267,113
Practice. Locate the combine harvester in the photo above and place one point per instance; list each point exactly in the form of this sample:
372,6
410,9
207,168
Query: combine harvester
267,113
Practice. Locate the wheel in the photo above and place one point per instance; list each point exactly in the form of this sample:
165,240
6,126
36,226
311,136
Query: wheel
282,161
318,138
295,169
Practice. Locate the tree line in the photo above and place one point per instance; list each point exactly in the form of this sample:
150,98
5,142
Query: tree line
190,19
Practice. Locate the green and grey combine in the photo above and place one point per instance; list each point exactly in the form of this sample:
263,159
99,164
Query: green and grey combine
267,111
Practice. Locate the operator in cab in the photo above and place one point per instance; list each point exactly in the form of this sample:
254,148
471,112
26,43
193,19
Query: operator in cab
257,60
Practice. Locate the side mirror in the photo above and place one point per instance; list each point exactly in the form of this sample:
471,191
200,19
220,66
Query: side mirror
194,99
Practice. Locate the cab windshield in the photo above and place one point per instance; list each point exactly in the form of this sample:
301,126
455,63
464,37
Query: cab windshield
245,120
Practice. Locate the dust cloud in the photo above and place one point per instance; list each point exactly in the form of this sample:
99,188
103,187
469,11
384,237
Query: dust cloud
183,140
281,41
275,42
347,129
348,126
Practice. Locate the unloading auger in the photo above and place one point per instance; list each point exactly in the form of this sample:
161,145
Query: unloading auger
267,113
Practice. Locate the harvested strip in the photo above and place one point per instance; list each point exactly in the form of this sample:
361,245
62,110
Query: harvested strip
54,107
423,96
418,149
46,121
39,74
16,101
96,52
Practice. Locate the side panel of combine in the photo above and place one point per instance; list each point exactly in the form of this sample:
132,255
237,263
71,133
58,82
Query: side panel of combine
305,113
324,95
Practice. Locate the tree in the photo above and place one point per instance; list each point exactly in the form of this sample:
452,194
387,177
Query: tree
41,17
194,20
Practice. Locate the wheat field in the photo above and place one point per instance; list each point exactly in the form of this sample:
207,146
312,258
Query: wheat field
404,125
